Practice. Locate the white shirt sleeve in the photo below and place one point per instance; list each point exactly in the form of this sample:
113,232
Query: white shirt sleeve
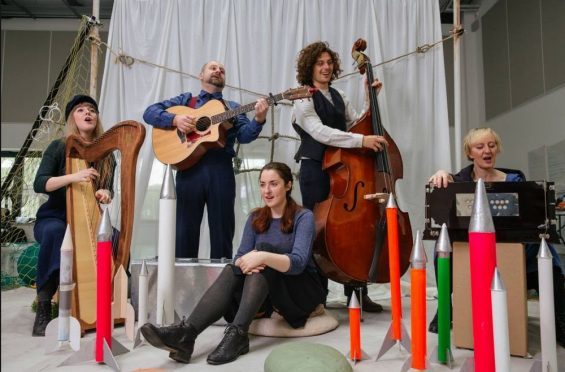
306,117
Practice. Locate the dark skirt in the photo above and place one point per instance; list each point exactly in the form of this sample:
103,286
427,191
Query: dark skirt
294,297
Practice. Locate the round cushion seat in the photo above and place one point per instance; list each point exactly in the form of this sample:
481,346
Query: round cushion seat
319,322
302,356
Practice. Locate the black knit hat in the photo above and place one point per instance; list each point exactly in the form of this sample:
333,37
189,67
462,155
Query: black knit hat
77,100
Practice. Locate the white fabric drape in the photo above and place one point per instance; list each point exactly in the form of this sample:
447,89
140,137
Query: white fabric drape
258,41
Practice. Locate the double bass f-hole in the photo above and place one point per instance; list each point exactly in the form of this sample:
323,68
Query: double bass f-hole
357,186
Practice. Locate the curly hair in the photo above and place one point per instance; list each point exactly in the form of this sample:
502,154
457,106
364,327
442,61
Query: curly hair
307,59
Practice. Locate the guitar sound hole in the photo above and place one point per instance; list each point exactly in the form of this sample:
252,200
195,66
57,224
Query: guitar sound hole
203,124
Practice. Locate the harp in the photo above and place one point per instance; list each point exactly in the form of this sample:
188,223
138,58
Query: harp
84,213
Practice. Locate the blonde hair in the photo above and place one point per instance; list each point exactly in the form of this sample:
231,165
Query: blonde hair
71,127
106,165
475,134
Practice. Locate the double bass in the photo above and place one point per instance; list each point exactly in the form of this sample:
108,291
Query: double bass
351,233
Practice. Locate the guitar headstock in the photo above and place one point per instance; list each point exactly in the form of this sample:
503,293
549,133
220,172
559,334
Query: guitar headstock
298,93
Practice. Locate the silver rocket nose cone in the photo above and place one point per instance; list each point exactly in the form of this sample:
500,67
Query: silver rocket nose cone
497,284
105,228
354,302
544,251
168,188
418,257
143,271
443,243
481,218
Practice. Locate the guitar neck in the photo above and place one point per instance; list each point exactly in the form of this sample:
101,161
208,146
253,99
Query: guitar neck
219,118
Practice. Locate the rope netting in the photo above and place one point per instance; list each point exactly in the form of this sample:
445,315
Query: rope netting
19,201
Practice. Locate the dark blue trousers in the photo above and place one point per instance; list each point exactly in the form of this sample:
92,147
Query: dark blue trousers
210,183
49,233
314,183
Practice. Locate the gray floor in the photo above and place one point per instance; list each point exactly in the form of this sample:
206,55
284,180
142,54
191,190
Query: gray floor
21,352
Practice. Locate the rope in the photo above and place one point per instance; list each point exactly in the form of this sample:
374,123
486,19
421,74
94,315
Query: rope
128,60
419,50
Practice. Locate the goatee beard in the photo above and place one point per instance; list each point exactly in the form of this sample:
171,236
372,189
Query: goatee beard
219,83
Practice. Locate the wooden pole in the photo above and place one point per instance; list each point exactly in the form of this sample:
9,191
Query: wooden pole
457,82
94,36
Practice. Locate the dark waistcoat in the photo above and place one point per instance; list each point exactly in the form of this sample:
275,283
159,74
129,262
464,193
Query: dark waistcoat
331,115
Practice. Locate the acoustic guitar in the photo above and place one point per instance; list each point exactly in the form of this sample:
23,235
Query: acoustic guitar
182,150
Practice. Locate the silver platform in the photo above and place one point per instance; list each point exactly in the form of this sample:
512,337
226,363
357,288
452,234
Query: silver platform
192,278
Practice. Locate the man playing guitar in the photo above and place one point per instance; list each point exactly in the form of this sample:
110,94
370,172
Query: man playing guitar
209,181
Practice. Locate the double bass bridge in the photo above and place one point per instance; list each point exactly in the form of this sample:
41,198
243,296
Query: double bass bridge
378,197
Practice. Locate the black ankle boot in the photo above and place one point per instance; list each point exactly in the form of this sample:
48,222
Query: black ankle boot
559,302
234,344
367,304
560,329
370,306
178,339
42,318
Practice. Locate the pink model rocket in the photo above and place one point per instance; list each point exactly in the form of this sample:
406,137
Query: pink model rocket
103,287
482,252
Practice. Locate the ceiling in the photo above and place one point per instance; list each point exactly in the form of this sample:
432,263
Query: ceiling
76,8
53,8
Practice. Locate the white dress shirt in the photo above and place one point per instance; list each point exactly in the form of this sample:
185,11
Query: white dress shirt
305,116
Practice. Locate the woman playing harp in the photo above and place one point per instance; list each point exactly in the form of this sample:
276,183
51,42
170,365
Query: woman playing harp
82,119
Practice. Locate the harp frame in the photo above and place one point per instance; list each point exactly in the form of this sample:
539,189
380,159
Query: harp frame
126,137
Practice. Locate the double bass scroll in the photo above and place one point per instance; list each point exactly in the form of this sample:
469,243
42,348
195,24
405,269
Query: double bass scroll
83,211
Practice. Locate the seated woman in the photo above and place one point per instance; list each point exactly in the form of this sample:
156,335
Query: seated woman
482,145
273,269
82,119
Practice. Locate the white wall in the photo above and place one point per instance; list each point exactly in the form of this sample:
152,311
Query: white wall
538,122
530,126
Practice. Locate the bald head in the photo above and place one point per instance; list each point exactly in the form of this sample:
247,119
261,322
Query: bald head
213,76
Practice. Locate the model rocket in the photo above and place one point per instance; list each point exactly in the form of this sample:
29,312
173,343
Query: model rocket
548,362
104,346
65,329
121,308
103,287
418,262
166,251
355,352
482,252
442,354
396,332
500,323
143,292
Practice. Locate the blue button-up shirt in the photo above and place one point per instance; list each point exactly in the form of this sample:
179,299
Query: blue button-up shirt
244,130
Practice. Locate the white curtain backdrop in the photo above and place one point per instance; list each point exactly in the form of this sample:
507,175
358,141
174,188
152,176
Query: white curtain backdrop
258,41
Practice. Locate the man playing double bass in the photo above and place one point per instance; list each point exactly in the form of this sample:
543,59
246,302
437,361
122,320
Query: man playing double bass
324,121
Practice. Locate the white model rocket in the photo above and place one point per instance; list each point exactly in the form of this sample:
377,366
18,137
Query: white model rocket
121,308
142,302
166,251
64,331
